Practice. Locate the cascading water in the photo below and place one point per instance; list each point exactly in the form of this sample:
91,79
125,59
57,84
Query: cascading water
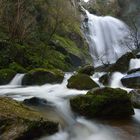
105,36
17,79
75,128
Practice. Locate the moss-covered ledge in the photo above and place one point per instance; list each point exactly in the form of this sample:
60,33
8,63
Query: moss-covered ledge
20,122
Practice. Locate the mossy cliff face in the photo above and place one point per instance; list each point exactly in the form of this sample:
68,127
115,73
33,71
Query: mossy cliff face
18,122
52,40
103,103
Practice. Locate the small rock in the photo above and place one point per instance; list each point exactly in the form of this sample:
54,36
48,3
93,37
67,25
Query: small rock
131,80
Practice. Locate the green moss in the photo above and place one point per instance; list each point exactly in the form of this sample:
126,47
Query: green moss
42,76
18,68
104,103
81,82
68,44
6,75
55,59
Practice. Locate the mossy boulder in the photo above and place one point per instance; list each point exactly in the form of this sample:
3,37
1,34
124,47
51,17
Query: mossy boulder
122,64
88,69
6,75
103,103
131,80
81,82
21,122
42,76
135,98
18,68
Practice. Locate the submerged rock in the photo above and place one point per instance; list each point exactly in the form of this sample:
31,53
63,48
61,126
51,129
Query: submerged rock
88,69
21,123
42,76
81,82
103,103
135,98
131,80
6,75
35,101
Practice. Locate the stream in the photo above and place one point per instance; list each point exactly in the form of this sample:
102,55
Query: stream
73,127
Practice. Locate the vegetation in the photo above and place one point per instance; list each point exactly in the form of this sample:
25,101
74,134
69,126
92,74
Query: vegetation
30,31
6,75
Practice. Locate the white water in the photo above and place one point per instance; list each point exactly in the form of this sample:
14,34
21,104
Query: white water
17,79
134,63
104,37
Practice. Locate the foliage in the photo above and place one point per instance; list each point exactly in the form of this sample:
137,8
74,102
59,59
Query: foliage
6,75
27,29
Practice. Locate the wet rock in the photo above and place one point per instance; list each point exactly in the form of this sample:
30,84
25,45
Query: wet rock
88,69
81,82
103,103
35,101
105,79
19,122
135,98
122,64
6,75
42,76
131,80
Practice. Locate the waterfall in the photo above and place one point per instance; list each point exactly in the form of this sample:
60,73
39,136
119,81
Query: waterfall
105,36
17,80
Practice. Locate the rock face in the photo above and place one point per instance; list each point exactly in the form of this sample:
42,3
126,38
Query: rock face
6,75
42,76
105,79
88,69
135,98
122,64
103,103
81,82
131,80
21,123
